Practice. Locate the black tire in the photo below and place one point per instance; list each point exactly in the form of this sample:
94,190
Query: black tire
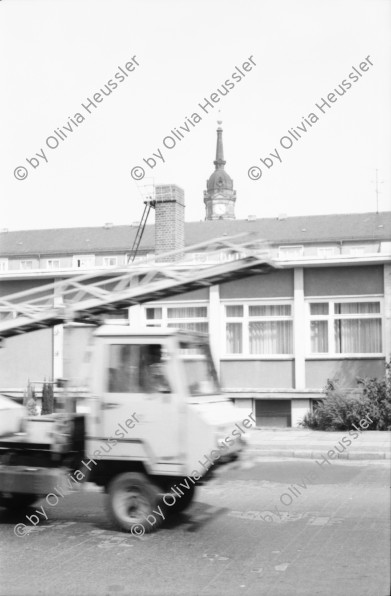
18,501
131,499
184,501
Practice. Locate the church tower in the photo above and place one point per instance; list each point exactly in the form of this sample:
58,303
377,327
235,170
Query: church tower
219,196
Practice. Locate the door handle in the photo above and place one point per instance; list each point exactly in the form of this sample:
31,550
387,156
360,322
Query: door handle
110,406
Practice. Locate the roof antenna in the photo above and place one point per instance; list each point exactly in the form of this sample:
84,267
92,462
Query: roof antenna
377,191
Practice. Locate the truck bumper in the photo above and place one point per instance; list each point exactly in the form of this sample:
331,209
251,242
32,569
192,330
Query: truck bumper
225,464
30,480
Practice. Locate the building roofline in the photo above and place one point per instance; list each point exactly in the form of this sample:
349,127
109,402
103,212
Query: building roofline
133,227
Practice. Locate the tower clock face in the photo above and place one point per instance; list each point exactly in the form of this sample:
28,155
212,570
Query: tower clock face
220,209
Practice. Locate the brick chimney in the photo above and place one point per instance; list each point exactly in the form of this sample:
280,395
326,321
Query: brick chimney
169,221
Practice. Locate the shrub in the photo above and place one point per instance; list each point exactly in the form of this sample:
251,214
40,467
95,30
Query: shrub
339,410
378,394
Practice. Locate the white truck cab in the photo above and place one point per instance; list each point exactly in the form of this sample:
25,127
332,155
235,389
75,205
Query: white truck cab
154,416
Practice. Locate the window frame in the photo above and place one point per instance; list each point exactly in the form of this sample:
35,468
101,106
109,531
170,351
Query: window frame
115,257
287,256
331,317
26,261
166,322
53,261
141,366
246,319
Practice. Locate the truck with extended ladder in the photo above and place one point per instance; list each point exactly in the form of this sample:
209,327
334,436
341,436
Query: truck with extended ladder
154,412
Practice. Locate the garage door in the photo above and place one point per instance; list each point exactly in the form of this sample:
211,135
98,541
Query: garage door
273,412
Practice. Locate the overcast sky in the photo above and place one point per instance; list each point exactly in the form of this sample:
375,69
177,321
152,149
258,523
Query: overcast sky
57,53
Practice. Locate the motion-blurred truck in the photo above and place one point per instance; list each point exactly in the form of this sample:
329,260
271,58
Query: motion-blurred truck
154,420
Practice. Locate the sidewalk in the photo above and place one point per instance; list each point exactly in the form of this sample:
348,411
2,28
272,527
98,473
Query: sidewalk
312,444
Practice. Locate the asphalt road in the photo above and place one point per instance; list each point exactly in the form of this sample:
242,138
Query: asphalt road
274,528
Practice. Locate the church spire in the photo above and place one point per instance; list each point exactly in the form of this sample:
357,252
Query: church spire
220,196
219,161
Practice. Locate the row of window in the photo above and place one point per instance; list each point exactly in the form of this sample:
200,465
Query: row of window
332,326
78,262
323,252
88,261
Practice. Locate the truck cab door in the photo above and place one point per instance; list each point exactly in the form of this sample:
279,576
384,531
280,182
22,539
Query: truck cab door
139,384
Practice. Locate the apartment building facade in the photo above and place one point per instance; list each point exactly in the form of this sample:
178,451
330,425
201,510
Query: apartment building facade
276,339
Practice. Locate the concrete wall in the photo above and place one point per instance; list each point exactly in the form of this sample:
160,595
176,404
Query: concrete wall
253,374
21,285
300,407
245,404
195,295
28,356
278,284
346,370
344,281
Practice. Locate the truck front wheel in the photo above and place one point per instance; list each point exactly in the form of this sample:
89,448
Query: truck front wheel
132,497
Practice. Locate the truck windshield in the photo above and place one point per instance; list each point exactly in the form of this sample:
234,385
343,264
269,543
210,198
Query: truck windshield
201,377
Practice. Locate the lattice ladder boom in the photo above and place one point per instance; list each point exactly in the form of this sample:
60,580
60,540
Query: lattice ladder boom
87,298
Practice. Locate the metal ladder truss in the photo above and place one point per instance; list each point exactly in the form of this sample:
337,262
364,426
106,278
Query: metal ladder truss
86,298
140,230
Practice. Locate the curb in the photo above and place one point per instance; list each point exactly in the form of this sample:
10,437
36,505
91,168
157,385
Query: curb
306,454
